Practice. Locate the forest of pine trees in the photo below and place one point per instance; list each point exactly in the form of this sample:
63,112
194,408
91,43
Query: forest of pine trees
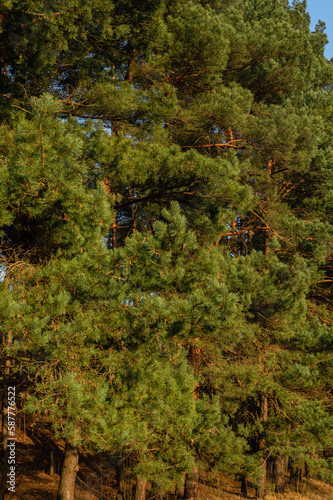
166,235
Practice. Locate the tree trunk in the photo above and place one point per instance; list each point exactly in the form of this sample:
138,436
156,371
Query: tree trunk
120,474
278,473
192,484
295,475
244,491
261,490
68,473
140,490
51,463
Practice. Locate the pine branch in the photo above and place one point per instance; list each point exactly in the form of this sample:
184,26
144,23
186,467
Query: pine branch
220,145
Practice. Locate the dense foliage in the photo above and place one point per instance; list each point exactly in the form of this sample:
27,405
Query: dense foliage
166,230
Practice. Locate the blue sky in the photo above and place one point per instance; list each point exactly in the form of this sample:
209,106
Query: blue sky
323,10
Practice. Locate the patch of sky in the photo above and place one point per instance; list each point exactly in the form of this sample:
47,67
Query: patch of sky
322,10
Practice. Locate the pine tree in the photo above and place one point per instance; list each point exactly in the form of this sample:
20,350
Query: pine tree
225,297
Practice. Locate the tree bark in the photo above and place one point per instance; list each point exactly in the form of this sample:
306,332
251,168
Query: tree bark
68,473
51,463
295,475
261,490
278,473
244,491
192,484
120,474
140,490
